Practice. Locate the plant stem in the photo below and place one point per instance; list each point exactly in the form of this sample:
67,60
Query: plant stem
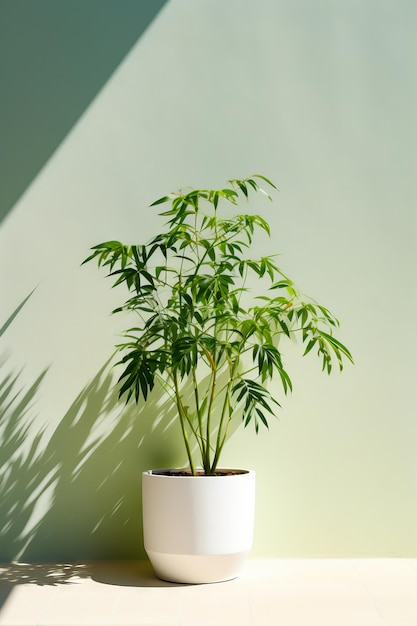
183,428
209,408
226,404
198,410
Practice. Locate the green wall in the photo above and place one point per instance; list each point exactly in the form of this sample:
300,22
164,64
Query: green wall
54,59
321,97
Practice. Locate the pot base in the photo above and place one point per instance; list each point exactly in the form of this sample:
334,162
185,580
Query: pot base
197,569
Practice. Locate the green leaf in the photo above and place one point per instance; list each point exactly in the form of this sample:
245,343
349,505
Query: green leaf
148,277
338,348
310,346
266,180
242,187
304,316
138,260
263,223
281,284
286,380
89,258
252,183
284,327
229,194
161,200
262,416
198,317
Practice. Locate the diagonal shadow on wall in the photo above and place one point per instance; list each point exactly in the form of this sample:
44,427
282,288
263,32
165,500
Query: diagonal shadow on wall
15,313
54,58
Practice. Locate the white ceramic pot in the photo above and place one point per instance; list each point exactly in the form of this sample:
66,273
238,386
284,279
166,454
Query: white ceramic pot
198,529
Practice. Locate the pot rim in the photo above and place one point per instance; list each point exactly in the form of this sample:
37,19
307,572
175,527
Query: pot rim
223,472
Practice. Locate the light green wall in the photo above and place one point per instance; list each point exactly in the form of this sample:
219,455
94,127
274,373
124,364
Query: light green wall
319,96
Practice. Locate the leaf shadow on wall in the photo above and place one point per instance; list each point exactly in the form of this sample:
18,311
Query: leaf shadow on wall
19,469
78,496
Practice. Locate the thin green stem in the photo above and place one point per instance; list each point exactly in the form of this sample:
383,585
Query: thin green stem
183,427
198,409
219,447
226,405
213,381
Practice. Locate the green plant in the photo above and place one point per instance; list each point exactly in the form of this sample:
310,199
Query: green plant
199,323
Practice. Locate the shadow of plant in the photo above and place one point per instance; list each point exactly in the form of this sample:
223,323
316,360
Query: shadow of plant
92,464
41,574
19,470
120,573
78,498
15,457
77,495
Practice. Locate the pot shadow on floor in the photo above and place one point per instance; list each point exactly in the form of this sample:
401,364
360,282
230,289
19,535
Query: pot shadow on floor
120,573
128,574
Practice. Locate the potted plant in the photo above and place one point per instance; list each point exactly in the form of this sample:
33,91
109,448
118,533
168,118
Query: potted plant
211,343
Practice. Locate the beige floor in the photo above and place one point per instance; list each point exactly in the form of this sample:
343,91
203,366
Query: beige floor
271,592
